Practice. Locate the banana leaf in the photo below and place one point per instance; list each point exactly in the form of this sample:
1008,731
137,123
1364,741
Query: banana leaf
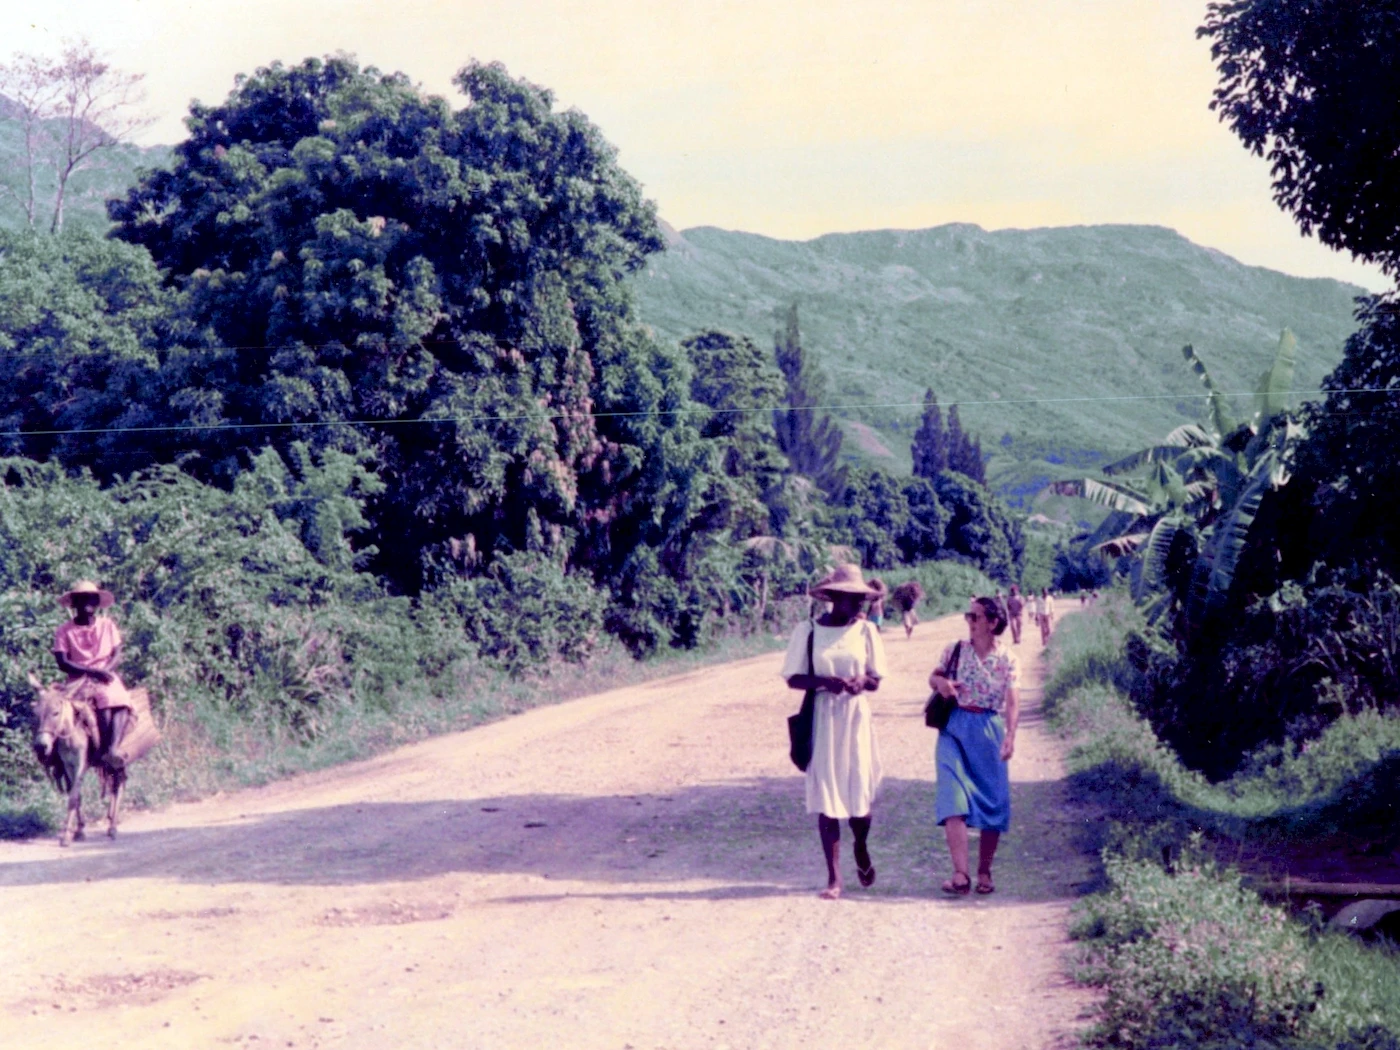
1153,575
1174,446
1105,493
1214,571
1121,545
1221,418
1276,384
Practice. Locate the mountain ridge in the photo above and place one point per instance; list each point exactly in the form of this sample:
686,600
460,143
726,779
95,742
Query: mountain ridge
1061,345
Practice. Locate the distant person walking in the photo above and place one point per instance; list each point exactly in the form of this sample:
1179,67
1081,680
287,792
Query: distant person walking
1049,612
875,611
907,597
1015,608
974,787
847,661
1038,615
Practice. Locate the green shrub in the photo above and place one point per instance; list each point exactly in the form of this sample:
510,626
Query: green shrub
1192,959
526,611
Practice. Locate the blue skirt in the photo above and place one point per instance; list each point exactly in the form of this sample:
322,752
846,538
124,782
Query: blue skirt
972,779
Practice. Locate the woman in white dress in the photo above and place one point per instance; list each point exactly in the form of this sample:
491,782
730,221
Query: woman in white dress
848,661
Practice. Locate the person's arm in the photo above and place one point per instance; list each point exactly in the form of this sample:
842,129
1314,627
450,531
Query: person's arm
820,681
1011,715
68,667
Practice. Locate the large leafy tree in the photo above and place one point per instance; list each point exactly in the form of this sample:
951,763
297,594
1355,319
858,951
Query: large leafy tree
979,528
442,288
1314,87
87,344
738,384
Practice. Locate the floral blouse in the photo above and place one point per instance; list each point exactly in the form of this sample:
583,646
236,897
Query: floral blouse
985,678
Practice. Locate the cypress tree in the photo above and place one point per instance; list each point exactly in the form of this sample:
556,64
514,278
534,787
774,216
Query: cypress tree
954,440
964,451
809,437
930,447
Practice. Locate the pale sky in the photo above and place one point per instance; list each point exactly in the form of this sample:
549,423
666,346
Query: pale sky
792,118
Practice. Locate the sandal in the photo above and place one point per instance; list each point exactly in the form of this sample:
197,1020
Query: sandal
960,884
866,875
984,883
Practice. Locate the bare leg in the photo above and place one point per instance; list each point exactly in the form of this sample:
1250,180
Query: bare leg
986,850
955,828
865,870
830,831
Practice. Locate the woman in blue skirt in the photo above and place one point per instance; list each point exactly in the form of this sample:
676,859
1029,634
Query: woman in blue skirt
974,789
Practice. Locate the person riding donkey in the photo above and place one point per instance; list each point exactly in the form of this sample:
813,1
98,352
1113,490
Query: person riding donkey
88,649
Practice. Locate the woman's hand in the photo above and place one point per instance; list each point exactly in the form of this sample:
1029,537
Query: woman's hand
1008,747
944,686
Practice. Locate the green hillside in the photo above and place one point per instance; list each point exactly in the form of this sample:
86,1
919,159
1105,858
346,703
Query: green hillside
1006,323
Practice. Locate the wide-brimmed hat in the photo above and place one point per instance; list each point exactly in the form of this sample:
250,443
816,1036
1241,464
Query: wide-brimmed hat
104,598
844,579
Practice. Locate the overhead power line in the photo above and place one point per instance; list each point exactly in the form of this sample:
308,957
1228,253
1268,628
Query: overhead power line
649,413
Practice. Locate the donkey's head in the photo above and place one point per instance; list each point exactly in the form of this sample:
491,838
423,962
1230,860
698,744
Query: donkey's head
53,717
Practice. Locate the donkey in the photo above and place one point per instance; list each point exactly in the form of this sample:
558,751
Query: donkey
66,743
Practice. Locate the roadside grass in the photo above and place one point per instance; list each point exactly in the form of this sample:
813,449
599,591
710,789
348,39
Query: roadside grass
1187,953
208,749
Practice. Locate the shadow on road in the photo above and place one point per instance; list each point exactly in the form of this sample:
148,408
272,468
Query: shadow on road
752,836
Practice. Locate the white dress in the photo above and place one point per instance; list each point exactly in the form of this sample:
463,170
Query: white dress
844,774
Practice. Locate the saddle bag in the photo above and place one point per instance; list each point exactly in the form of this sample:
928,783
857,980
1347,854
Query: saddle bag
141,733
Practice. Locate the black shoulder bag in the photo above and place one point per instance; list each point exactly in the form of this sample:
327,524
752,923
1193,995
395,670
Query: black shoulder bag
939,707
800,724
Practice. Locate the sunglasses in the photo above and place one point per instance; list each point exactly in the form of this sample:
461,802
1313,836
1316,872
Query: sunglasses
972,617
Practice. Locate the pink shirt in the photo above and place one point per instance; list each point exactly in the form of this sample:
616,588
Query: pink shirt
92,646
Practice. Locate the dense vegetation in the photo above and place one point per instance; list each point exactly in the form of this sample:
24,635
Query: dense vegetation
1246,706
1265,548
355,400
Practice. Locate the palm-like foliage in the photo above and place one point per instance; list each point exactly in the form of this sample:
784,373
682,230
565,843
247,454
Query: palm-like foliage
1187,506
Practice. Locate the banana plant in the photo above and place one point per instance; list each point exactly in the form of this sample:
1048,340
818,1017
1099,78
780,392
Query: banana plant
1195,496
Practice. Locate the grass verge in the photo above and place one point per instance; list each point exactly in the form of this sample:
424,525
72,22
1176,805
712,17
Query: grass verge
1187,954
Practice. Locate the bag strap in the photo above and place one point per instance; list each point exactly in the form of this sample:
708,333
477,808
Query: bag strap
811,637
951,671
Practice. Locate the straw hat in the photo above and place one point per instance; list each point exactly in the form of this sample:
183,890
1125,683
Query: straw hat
104,598
844,579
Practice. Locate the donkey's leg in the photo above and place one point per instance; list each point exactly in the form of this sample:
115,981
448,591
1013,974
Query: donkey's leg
117,782
73,819
75,799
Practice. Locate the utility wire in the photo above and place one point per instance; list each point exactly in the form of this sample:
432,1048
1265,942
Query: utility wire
646,413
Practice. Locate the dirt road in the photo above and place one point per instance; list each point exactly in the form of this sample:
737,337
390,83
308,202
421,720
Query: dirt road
632,869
